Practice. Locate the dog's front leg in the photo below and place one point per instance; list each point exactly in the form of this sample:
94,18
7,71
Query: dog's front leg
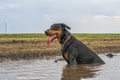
72,60
69,58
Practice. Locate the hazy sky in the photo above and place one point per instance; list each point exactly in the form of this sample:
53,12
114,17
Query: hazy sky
83,16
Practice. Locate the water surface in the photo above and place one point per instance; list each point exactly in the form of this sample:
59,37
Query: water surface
48,69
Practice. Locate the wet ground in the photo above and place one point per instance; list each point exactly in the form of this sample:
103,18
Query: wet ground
48,69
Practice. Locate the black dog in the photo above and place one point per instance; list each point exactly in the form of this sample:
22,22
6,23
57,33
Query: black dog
73,51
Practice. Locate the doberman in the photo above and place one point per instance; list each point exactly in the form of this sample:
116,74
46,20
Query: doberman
73,51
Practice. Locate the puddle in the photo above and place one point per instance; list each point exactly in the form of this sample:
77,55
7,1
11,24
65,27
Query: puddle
47,69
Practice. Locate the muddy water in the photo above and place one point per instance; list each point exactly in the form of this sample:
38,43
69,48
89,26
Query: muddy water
48,69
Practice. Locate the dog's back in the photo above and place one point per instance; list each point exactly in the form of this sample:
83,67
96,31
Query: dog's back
88,54
81,53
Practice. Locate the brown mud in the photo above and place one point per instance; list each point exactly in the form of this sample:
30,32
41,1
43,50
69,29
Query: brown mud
37,48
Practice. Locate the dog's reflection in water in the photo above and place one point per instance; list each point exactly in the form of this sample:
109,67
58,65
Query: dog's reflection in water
79,72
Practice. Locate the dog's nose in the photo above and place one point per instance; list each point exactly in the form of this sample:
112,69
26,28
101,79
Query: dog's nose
46,32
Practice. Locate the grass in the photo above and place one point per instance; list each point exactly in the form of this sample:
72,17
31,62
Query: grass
34,45
22,36
97,35
10,37
43,37
82,35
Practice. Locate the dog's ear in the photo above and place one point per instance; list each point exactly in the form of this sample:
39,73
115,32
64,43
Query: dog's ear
65,26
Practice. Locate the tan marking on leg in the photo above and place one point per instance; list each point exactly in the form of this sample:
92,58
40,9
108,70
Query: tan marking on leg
65,55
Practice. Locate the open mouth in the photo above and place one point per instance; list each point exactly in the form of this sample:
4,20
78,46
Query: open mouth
51,38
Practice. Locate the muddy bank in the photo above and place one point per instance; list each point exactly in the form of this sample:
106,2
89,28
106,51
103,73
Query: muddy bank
37,48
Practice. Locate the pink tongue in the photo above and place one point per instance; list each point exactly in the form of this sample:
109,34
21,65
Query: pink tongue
49,40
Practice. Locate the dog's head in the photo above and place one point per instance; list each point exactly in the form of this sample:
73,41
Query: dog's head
56,31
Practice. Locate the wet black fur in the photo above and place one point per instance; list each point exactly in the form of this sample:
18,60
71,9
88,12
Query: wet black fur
78,53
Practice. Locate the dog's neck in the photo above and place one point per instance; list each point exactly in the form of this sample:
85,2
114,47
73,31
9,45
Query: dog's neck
64,37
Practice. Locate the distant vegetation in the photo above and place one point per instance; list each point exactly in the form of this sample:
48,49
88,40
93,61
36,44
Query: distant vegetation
76,35
22,35
97,35
27,46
